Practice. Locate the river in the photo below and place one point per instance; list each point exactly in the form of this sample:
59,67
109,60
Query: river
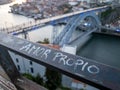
102,48
9,20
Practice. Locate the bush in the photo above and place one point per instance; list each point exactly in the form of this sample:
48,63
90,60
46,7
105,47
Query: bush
36,79
65,88
45,41
29,76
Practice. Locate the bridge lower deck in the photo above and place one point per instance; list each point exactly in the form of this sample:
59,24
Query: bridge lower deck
102,48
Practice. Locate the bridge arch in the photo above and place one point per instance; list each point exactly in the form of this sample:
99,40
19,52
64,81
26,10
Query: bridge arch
89,18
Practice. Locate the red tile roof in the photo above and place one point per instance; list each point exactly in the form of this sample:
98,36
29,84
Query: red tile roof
52,46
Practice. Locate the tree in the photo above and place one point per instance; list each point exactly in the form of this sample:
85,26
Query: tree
29,76
45,41
53,79
39,80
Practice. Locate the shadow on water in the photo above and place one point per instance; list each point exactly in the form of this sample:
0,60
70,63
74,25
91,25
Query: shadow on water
102,48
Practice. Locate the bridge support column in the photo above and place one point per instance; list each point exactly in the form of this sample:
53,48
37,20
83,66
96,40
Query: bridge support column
54,33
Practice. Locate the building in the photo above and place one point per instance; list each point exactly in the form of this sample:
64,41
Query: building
27,66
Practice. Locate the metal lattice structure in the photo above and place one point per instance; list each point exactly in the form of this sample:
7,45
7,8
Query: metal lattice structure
89,18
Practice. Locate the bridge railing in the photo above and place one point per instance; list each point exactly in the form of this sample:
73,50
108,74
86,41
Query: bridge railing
88,71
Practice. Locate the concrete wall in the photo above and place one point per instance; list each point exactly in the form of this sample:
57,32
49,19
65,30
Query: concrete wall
80,41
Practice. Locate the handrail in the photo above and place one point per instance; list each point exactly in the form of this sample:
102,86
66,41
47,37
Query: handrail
99,75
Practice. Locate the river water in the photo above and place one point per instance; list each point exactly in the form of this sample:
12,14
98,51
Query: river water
9,20
102,48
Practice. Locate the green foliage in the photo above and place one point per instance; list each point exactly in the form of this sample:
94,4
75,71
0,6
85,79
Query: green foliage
39,80
45,41
65,88
82,89
29,76
53,79
110,15
36,79
106,13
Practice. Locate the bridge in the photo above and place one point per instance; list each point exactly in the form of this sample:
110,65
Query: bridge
32,25
88,22
97,74
86,19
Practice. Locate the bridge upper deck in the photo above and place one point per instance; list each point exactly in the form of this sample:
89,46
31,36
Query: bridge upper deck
38,23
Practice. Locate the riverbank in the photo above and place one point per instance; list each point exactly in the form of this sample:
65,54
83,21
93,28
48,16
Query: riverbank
40,10
5,1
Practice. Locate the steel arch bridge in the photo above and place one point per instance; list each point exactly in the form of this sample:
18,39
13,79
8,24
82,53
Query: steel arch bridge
32,25
88,21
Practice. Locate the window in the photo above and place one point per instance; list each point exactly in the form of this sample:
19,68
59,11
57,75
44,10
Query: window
17,60
31,62
32,70
18,67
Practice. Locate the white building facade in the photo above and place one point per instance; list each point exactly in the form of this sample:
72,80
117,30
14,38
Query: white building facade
27,66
